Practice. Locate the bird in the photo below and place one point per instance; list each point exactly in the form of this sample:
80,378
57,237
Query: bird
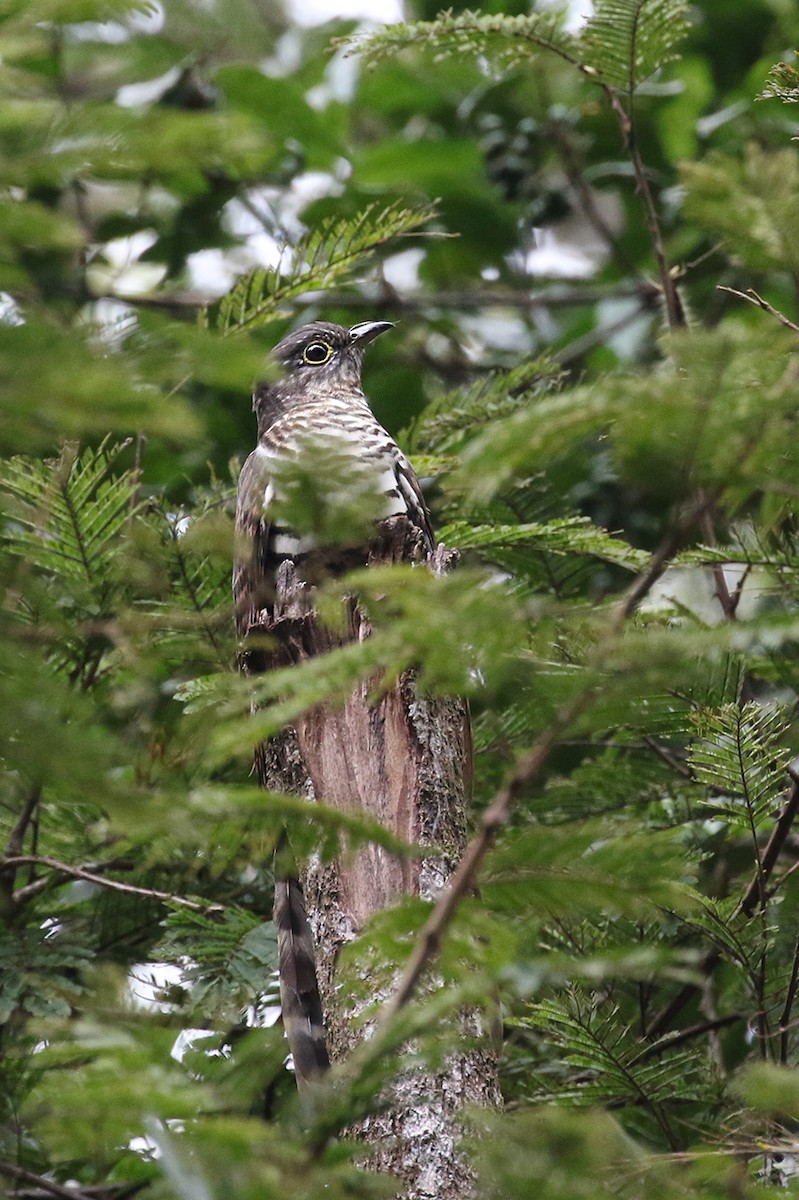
315,410
314,400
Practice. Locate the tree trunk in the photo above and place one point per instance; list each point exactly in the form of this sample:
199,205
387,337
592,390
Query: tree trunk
404,760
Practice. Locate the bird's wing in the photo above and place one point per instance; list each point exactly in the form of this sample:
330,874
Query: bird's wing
411,492
253,577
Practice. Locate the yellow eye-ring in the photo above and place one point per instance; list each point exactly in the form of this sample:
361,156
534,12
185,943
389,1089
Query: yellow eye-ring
317,353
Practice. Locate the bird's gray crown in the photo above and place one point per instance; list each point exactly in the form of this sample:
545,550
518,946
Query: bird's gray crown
321,344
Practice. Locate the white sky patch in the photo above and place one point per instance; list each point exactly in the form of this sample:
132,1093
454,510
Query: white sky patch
146,982
316,12
557,259
116,268
502,330
187,1040
339,84
210,272
134,95
577,12
9,311
401,271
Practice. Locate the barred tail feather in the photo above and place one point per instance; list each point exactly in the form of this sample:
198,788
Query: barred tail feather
299,990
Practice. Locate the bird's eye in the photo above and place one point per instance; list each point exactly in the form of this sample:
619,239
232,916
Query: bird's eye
317,353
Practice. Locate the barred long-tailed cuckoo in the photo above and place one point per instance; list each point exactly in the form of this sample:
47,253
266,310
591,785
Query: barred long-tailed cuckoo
313,412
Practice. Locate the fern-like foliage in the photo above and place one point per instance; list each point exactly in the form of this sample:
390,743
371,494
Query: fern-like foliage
567,536
624,42
451,419
627,41
326,257
67,514
740,757
604,1064
506,40
782,83
194,614
231,956
39,972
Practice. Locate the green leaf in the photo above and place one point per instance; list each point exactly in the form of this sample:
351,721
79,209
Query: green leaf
627,41
567,536
326,257
507,40
739,756
749,201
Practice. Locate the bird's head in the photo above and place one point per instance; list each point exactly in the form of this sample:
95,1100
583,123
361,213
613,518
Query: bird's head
327,354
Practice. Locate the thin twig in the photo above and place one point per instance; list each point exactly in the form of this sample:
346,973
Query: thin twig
708,526
462,883
12,1171
668,284
771,853
748,904
16,839
16,842
785,1017
115,885
519,781
641,586
668,757
686,1035
754,298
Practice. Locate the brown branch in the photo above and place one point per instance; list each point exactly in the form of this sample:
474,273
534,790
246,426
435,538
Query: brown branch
774,845
463,881
558,297
748,905
754,298
16,842
785,1016
523,775
661,557
11,1171
668,284
669,758
16,839
728,607
115,885
686,1035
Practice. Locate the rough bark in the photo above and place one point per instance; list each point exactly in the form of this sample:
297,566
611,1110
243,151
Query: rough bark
406,761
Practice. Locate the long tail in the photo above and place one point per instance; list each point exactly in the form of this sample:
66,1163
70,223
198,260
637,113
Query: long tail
299,989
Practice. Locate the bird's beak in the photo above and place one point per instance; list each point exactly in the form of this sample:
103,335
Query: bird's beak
367,331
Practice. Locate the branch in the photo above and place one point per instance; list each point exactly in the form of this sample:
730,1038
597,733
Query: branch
464,879
115,885
520,779
16,839
774,845
11,1171
748,904
753,298
729,605
661,557
671,296
523,298
686,1035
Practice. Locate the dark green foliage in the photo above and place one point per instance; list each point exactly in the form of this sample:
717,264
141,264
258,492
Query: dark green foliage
633,928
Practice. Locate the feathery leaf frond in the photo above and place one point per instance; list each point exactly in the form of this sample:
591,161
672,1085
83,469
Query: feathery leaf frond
569,535
66,515
327,256
782,83
739,756
627,41
506,40
607,1066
